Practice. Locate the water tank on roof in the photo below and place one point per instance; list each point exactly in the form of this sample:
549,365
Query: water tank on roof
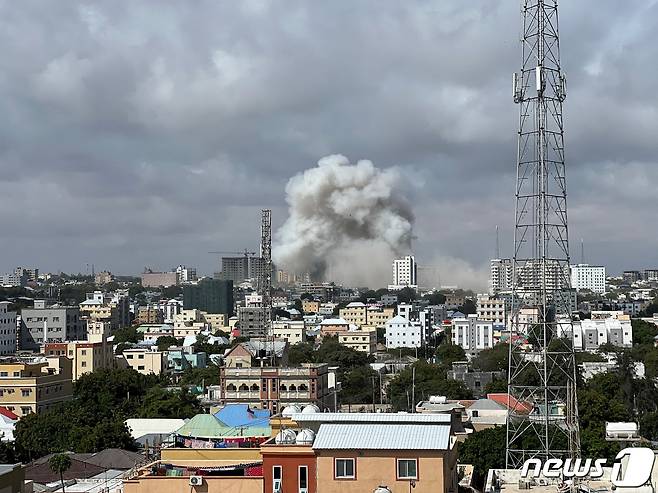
311,409
285,437
305,437
289,411
437,399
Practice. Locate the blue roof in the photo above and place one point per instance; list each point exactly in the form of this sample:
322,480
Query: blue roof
243,415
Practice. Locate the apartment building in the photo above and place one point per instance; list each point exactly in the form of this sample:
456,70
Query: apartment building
7,329
603,328
492,309
402,332
364,341
189,322
310,306
251,320
589,277
355,313
293,331
149,315
274,388
85,356
501,275
151,279
43,324
472,334
405,273
216,321
34,384
107,307
145,361
377,317
209,295
333,326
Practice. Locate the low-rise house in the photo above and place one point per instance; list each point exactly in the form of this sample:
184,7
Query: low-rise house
85,356
145,361
180,359
474,379
257,351
364,341
293,331
333,326
8,422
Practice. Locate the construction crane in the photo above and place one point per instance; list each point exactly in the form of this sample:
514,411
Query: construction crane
244,252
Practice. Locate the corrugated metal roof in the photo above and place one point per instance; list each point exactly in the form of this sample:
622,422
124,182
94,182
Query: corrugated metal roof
336,436
372,418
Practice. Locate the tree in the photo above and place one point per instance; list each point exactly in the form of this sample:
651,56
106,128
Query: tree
302,352
162,403
200,376
164,342
484,450
406,295
496,386
435,298
643,332
447,354
359,385
493,359
127,334
59,464
468,307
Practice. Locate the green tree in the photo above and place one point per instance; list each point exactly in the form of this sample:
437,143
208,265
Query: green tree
649,426
643,332
484,450
493,359
299,353
201,376
447,354
435,298
163,403
165,342
59,464
496,386
127,334
359,385
406,295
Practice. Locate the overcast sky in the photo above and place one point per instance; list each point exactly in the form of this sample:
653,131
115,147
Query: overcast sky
137,133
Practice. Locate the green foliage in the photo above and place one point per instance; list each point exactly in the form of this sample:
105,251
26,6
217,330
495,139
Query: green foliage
447,354
164,342
202,345
496,386
59,464
649,426
643,332
200,376
300,353
430,380
335,354
494,359
468,307
406,295
95,418
358,386
127,334
484,450
162,403
435,298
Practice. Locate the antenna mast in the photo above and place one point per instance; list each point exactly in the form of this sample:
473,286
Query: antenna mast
266,269
542,420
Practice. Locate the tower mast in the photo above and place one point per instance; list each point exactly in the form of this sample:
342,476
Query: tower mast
542,421
266,269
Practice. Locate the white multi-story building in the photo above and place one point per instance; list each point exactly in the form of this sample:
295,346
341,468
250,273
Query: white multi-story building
186,274
501,275
405,273
603,328
402,332
585,276
7,329
472,335
293,331
491,309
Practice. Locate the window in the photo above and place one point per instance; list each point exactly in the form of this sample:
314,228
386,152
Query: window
344,469
25,392
276,479
303,479
83,364
25,410
407,469
140,367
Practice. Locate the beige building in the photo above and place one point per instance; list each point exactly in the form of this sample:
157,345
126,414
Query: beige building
355,313
364,341
98,330
333,326
85,356
274,388
144,361
491,309
149,315
377,317
31,385
293,331
310,306
189,322
216,321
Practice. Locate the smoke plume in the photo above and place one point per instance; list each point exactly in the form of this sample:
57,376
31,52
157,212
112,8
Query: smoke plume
346,222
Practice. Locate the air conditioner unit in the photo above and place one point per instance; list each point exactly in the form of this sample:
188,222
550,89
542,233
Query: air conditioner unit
196,480
276,486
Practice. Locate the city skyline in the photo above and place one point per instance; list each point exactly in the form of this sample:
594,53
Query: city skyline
132,140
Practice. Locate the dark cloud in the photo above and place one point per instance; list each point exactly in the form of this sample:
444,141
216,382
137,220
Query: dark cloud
134,135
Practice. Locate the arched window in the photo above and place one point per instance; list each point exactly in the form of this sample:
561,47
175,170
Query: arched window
293,388
255,387
230,387
243,388
303,387
283,388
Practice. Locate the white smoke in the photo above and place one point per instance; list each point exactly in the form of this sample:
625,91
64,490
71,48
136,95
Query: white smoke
347,222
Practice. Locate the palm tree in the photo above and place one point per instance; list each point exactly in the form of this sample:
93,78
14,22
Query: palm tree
60,463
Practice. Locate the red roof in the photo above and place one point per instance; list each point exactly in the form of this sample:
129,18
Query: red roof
7,413
510,402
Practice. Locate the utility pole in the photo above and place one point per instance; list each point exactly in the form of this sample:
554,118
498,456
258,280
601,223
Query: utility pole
413,389
541,278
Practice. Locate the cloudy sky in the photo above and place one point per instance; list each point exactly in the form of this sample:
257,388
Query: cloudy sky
146,134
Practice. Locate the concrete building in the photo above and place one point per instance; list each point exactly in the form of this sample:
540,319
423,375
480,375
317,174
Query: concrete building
189,322
149,315
151,279
491,309
603,328
209,295
144,361
12,479
650,275
186,274
364,341
631,276
333,326
34,384
14,280
251,321
377,317
501,275
472,335
85,356
107,307
405,273
98,331
257,352
169,309
401,332
274,388
293,331
152,332
215,321
310,306
590,277
180,359
355,313
474,379
235,269
55,323
7,329
103,277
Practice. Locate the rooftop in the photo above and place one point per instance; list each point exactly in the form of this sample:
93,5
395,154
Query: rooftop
372,418
342,436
